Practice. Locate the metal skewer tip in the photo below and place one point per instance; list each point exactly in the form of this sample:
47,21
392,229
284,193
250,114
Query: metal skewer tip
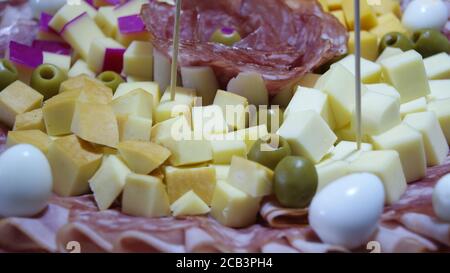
176,46
357,20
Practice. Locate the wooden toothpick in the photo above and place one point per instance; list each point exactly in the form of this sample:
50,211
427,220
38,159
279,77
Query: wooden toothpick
176,46
357,21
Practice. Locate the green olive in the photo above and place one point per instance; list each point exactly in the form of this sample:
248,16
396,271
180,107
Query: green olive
226,36
272,117
295,182
269,151
111,79
46,79
8,73
429,42
395,39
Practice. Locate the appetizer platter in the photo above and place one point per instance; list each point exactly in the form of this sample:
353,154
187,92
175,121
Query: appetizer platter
224,126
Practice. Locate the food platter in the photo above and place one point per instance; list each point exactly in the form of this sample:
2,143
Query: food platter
266,132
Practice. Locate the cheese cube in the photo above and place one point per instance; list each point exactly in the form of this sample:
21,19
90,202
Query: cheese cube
250,177
207,120
138,60
339,14
388,52
80,67
188,151
221,171
170,109
202,79
311,99
385,89
330,172
250,85
131,28
80,33
436,147
297,129
414,106
108,182
58,113
183,95
409,144
176,127
69,13
309,80
134,128
189,204
369,46
105,54
406,72
439,89
339,84
367,14
151,87
145,196
379,113
34,137
161,69
33,120
387,6
437,66
370,71
202,180
233,107
348,133
90,90
107,21
142,157
442,110
83,82
232,207
102,129
248,135
137,102
386,165
129,8
224,150
59,60
18,98
388,23
348,151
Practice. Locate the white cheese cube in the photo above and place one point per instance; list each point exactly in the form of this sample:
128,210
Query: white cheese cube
138,60
436,147
437,66
348,151
442,110
384,89
414,106
330,171
234,108
106,20
207,120
177,127
348,133
311,99
409,144
221,171
406,72
188,151
388,52
308,135
133,127
224,150
202,79
80,67
370,71
129,8
150,87
161,69
386,165
248,135
109,181
189,204
58,60
251,86
440,89
182,95
68,13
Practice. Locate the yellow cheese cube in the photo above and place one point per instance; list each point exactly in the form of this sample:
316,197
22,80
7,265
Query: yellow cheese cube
151,87
410,147
387,6
250,177
367,14
378,114
224,150
386,165
370,71
436,147
297,129
59,60
80,67
311,99
73,162
414,106
176,127
137,102
233,107
330,172
183,95
58,113
145,196
107,21
142,157
388,23
202,180
189,204
203,80
221,171
127,38
102,129
406,72
388,52
439,89
438,66
369,45
339,84
102,54
232,207
18,98
339,14
442,110
138,60
170,109
207,120
385,89
348,151
33,120
134,128
251,86
91,89
188,151
68,13
109,181
248,135
34,137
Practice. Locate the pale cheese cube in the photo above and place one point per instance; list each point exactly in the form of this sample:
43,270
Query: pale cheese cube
59,60
182,95
202,79
145,196
105,54
437,66
232,207
69,13
188,151
161,69
137,102
410,146
224,150
207,120
440,89
150,87
107,21
135,79
36,138
248,135
177,127
170,109
142,157
189,204
134,128
33,120
80,67
442,110
384,89
436,147
388,52
348,151
58,112
386,165
221,171
308,135
370,71
129,8
233,107
108,182
348,133
138,60
414,106
330,172
250,177
406,72
311,99
251,86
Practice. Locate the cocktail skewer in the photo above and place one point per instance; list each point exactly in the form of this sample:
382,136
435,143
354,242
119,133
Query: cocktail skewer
358,73
176,46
